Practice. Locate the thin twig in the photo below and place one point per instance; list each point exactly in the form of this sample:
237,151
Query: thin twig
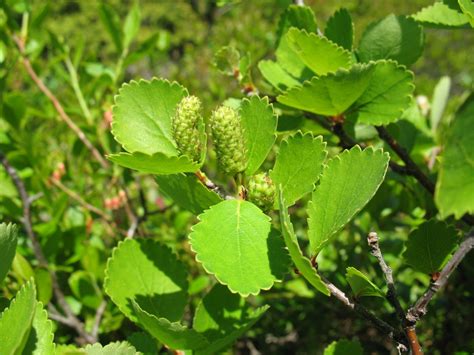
98,318
383,326
57,105
419,309
73,321
392,296
80,200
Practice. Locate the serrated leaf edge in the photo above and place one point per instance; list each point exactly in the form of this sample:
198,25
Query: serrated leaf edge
319,38
337,160
132,83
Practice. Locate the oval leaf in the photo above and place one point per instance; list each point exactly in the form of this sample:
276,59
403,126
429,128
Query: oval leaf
233,242
361,285
8,240
142,116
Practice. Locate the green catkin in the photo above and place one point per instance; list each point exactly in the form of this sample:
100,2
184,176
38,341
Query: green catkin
228,140
261,191
185,125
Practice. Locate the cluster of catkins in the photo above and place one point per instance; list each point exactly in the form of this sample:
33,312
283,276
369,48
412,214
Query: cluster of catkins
229,142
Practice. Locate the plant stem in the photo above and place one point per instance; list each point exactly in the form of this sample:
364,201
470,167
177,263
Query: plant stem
57,105
77,90
71,319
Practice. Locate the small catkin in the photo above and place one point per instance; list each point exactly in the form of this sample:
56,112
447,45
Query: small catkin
185,125
228,140
261,191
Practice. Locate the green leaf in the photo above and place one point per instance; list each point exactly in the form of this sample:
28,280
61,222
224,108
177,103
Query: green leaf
441,15
174,335
157,163
429,247
348,182
131,25
142,116
40,339
111,21
44,285
395,37
455,185
8,241
148,272
16,320
143,342
467,7
259,124
276,75
439,101
226,60
117,348
344,347
387,95
223,317
85,288
302,263
331,94
301,17
340,29
298,165
361,285
187,192
317,52
233,242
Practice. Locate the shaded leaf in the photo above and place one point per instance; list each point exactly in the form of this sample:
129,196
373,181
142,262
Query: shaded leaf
40,339
429,246
174,335
223,317
348,182
85,288
276,75
298,165
340,29
361,285
259,124
395,37
302,263
148,272
455,185
387,95
187,192
157,163
142,116
233,242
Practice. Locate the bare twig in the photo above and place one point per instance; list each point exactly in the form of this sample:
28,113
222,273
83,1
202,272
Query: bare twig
57,105
72,320
98,318
392,296
383,326
419,309
80,200
412,168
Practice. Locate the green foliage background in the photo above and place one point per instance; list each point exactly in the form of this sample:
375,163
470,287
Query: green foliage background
177,40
